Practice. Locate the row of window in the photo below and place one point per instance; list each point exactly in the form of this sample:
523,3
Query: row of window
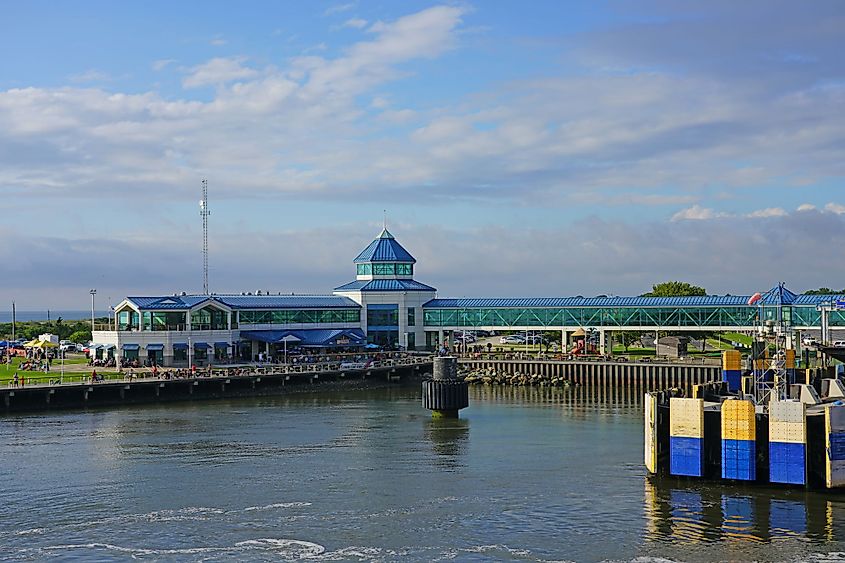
390,269
303,316
622,317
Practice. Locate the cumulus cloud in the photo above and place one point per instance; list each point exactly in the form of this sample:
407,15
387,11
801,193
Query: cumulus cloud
339,8
161,64
696,213
621,257
218,71
837,208
768,212
806,207
625,137
357,23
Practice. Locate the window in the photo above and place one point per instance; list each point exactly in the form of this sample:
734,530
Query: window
383,315
127,320
412,317
365,269
180,354
201,352
404,269
383,269
301,316
209,318
159,320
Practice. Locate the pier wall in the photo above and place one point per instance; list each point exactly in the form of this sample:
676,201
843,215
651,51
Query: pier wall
634,376
110,393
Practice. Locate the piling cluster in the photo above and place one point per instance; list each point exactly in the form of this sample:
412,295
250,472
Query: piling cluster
489,376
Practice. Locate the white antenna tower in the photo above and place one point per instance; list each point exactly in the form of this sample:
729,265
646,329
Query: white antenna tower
204,213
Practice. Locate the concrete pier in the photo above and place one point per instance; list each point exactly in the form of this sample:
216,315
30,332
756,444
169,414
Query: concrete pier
221,384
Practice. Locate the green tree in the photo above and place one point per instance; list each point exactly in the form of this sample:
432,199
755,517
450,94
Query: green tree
627,337
824,291
675,289
80,336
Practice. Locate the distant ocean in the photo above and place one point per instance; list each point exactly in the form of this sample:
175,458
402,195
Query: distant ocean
6,316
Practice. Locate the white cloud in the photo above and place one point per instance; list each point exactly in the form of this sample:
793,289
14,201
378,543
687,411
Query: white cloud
837,208
218,42
806,207
768,212
91,75
357,23
696,213
338,8
217,71
161,64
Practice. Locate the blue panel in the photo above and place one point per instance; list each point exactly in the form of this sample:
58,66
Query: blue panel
385,285
788,516
180,346
384,249
837,447
734,379
389,307
685,456
155,347
131,346
739,460
307,337
787,463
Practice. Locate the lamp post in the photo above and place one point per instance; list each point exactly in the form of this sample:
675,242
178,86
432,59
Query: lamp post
93,292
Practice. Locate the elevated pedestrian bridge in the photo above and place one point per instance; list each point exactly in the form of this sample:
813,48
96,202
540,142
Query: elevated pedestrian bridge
706,313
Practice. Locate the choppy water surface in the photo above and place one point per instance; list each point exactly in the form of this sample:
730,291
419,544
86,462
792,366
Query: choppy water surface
366,475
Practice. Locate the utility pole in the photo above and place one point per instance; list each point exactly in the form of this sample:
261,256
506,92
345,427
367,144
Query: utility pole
93,292
204,213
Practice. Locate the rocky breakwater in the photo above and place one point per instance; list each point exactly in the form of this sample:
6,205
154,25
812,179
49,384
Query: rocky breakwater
490,376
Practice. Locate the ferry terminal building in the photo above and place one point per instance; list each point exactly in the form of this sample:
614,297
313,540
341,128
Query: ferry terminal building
386,307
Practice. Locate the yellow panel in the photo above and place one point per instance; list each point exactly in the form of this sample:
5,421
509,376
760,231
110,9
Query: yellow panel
731,360
790,359
686,418
738,420
651,432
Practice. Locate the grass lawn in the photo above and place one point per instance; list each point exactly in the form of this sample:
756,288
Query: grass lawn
738,338
7,373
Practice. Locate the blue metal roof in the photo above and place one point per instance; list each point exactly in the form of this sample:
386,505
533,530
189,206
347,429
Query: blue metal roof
385,285
309,337
552,302
384,249
287,302
817,299
779,295
185,302
178,302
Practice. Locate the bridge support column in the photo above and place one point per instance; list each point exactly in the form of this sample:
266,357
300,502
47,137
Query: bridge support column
441,340
564,341
602,341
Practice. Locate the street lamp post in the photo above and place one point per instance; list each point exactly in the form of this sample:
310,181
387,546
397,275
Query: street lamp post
93,292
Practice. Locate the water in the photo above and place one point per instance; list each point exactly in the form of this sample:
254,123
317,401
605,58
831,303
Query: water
526,475
21,316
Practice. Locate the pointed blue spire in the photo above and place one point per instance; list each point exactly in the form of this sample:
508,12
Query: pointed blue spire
384,249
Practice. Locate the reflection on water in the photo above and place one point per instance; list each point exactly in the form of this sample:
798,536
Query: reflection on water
683,512
448,437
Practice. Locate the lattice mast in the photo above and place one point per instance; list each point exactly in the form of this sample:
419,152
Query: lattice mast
204,213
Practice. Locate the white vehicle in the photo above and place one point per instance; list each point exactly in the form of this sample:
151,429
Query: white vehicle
67,346
810,341
512,339
839,344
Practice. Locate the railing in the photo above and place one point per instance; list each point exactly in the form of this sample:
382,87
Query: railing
39,379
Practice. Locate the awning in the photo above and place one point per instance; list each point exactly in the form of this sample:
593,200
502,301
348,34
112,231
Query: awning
317,338
131,346
201,345
221,344
155,347
109,346
180,346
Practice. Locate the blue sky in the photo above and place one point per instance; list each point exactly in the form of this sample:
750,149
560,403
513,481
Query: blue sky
544,147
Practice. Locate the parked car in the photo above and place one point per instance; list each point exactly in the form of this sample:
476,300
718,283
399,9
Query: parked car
67,346
839,344
810,341
512,339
